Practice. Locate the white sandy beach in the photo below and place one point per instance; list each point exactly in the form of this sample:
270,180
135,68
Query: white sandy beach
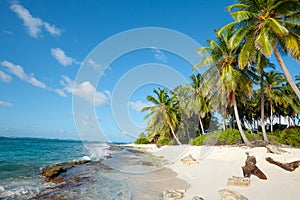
218,163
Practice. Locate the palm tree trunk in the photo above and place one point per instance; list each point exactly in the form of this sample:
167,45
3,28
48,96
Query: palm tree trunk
262,107
245,139
271,116
224,117
201,124
174,134
286,72
280,121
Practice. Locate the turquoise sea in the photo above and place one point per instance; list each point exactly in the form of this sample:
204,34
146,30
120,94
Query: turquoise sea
21,160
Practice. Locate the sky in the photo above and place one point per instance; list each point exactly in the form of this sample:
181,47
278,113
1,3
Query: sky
52,81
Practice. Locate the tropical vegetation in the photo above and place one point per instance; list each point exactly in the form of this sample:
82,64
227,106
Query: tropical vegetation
241,87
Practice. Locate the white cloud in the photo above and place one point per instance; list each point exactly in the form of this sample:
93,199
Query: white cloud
137,105
52,29
5,77
18,71
58,91
92,63
7,32
6,104
86,91
34,25
159,55
62,58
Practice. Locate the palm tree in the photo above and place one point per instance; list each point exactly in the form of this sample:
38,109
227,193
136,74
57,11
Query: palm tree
260,63
267,26
224,73
274,91
197,103
164,111
181,94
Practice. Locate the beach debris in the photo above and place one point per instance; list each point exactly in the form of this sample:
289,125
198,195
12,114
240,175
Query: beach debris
287,166
231,195
274,149
197,198
251,168
189,160
52,172
173,194
259,143
239,182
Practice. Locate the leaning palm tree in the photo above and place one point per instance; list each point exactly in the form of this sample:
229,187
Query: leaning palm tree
163,112
267,26
224,76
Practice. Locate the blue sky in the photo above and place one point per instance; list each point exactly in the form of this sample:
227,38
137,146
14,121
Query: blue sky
45,42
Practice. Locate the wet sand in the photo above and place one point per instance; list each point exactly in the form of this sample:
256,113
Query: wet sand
152,185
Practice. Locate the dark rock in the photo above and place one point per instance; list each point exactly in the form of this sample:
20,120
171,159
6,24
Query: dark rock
52,172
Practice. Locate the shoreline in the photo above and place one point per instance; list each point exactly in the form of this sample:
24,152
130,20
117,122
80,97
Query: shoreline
218,163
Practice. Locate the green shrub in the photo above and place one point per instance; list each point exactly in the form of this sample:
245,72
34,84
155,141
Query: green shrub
163,141
289,137
198,141
230,136
141,140
253,136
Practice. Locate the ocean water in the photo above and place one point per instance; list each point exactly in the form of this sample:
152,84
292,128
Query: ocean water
21,159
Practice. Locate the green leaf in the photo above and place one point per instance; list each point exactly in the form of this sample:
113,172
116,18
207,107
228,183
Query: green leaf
263,43
242,15
238,37
237,6
204,50
292,45
214,44
226,27
246,52
275,26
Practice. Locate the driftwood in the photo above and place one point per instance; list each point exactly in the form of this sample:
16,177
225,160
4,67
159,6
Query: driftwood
274,149
239,182
251,168
231,195
287,166
189,160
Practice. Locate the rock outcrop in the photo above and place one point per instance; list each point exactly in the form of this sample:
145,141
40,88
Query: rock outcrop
52,173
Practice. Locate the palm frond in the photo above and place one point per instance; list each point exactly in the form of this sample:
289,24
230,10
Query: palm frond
238,37
226,27
263,42
247,52
292,45
242,15
204,50
276,27
237,6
